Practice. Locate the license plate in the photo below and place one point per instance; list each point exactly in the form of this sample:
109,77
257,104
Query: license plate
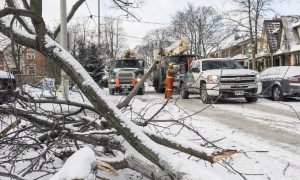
238,93
176,84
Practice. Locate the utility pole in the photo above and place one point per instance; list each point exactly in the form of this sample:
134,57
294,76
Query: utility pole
64,44
99,23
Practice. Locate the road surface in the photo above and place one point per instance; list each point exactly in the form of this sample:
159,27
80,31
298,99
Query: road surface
268,131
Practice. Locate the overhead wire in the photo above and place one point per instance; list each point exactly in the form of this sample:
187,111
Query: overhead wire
105,12
91,15
128,20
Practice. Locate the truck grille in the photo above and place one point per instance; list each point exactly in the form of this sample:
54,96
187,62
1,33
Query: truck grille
238,79
125,77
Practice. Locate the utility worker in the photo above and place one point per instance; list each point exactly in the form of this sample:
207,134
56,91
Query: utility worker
169,80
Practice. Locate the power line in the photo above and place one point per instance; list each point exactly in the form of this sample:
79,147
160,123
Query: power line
144,22
90,12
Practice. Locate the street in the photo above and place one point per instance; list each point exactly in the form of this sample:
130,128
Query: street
265,132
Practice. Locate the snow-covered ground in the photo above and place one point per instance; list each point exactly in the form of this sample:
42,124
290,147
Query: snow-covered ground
266,134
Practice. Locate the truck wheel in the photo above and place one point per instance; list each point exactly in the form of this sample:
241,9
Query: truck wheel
184,93
277,93
141,91
156,86
206,99
251,99
111,91
160,90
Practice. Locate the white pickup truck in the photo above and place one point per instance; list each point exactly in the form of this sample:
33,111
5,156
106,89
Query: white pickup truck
214,77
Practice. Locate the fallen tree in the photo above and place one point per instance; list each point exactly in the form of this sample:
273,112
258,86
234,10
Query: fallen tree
149,145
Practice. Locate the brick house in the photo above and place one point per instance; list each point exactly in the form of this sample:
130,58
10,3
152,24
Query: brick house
33,64
34,67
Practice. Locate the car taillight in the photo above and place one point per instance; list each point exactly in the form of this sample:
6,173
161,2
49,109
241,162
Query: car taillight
294,79
2,86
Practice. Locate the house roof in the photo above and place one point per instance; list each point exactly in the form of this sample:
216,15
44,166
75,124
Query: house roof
4,42
240,57
292,41
292,37
230,41
296,24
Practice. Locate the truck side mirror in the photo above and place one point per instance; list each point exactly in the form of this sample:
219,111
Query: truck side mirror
155,67
196,70
108,68
142,63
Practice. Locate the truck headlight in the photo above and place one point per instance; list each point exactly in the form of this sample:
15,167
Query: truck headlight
112,80
138,79
212,79
257,78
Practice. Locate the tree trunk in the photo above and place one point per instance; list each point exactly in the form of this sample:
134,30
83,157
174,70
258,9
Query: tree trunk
128,98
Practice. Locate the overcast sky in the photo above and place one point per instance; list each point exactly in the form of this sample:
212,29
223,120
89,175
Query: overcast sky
153,14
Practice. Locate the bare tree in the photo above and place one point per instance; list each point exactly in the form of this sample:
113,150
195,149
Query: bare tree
56,125
112,39
202,26
155,39
248,16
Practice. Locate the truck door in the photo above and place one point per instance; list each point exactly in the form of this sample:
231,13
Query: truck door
192,76
196,76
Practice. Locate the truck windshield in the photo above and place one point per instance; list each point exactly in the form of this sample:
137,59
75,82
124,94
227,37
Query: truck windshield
128,63
220,64
183,61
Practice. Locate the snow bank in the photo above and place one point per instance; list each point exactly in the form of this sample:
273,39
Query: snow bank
78,166
6,75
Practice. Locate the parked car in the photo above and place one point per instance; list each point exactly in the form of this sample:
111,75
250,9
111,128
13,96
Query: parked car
281,82
7,86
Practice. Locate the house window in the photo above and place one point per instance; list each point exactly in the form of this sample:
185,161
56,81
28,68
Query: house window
31,69
297,58
30,54
14,71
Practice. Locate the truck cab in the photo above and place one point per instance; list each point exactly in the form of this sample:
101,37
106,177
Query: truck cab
181,62
125,74
220,76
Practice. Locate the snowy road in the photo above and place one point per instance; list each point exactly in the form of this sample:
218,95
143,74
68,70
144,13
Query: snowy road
269,132
275,123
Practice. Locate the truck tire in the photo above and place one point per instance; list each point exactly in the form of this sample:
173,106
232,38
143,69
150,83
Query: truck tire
251,99
158,88
184,93
206,99
111,91
141,91
161,90
155,83
277,93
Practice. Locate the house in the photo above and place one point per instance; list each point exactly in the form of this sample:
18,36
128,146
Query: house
280,42
236,47
5,50
33,64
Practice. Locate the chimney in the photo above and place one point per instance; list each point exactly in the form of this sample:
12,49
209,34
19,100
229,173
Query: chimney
236,36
